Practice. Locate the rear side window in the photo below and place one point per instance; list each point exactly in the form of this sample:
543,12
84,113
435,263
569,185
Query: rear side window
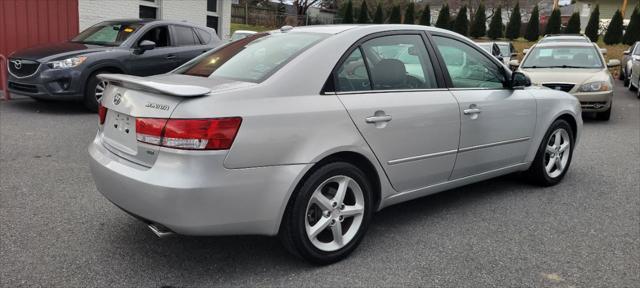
251,59
352,74
205,37
185,36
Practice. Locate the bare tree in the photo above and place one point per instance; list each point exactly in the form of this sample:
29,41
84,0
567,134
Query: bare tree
303,5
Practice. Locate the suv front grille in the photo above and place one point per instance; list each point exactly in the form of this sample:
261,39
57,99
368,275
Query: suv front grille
559,86
22,67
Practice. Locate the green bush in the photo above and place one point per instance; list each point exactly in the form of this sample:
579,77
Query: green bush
395,17
348,13
479,27
443,17
632,34
425,18
513,28
364,13
533,27
462,22
410,14
614,31
495,27
573,27
553,25
378,17
593,25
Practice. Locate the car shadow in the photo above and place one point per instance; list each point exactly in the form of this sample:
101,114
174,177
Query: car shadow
29,105
239,257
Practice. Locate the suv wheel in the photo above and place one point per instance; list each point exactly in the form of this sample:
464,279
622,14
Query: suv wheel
554,155
329,214
93,92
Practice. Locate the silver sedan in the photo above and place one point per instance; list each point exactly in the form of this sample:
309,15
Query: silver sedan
306,132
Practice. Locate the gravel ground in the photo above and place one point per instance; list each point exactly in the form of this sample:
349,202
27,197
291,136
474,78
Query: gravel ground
57,230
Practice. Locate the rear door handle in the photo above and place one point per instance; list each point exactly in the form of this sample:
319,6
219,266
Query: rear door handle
471,111
376,119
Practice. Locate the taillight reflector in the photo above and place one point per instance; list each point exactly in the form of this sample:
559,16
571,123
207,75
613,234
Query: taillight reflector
102,113
196,134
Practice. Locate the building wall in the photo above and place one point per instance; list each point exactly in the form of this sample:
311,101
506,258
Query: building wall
93,11
194,11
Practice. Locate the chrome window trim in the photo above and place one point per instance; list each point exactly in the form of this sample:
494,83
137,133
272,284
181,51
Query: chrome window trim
421,157
488,145
386,91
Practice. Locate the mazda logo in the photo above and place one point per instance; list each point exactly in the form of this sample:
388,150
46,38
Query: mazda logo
17,64
117,99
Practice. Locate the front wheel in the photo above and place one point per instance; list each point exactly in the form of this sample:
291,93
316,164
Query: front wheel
93,92
328,214
554,155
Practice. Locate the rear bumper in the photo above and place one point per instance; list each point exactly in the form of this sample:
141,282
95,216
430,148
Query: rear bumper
595,101
54,84
196,195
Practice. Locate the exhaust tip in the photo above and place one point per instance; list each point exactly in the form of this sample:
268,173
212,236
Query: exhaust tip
160,231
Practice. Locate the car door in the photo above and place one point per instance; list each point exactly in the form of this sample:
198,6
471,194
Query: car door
161,59
187,42
390,89
635,67
497,123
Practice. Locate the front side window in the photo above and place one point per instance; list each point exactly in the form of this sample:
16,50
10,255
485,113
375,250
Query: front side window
158,35
253,58
467,67
108,34
636,51
563,57
399,62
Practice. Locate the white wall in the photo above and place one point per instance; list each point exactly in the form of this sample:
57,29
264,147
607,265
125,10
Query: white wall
93,11
193,11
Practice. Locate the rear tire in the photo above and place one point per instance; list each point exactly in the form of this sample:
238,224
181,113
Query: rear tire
554,155
93,92
606,115
317,225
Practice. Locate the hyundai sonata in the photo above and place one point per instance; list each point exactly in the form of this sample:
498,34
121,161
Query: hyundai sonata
306,132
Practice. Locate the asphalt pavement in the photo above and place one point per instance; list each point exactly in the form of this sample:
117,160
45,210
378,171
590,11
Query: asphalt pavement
56,230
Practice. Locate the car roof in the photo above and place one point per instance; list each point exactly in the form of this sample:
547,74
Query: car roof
339,28
564,44
146,21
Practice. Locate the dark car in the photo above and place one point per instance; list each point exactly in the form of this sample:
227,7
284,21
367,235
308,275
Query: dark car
67,71
626,63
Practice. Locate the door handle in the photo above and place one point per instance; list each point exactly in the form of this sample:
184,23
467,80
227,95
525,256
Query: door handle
171,56
471,111
376,119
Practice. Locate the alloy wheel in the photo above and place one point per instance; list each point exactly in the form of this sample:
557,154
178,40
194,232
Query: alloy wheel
334,213
557,153
100,90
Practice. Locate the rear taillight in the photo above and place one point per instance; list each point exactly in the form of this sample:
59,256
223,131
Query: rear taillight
195,134
102,113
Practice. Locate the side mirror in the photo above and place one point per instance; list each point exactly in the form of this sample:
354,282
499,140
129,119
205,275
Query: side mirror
145,45
627,52
514,63
519,80
635,57
603,51
613,63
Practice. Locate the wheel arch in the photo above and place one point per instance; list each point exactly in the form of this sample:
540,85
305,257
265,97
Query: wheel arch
572,122
104,67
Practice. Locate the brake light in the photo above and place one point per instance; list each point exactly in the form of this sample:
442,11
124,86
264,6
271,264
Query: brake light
102,113
194,134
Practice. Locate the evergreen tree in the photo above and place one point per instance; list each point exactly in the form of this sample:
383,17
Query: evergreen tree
348,13
513,28
479,27
573,27
364,13
614,31
533,27
495,27
553,25
443,17
425,18
462,22
410,14
593,25
632,34
378,17
394,18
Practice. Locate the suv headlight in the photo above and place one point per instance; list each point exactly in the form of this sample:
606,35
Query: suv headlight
67,63
595,86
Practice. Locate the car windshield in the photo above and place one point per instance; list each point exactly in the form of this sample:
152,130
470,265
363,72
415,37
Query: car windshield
107,33
253,58
504,50
563,57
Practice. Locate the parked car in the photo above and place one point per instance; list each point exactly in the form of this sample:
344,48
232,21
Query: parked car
67,71
228,143
634,74
566,38
627,62
505,50
574,67
239,34
492,48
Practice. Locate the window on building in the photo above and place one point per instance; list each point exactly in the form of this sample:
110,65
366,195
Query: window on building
212,22
148,12
212,5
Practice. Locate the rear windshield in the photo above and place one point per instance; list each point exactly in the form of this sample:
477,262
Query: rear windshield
253,58
107,33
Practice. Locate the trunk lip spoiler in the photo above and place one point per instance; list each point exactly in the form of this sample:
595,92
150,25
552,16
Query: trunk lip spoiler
137,82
